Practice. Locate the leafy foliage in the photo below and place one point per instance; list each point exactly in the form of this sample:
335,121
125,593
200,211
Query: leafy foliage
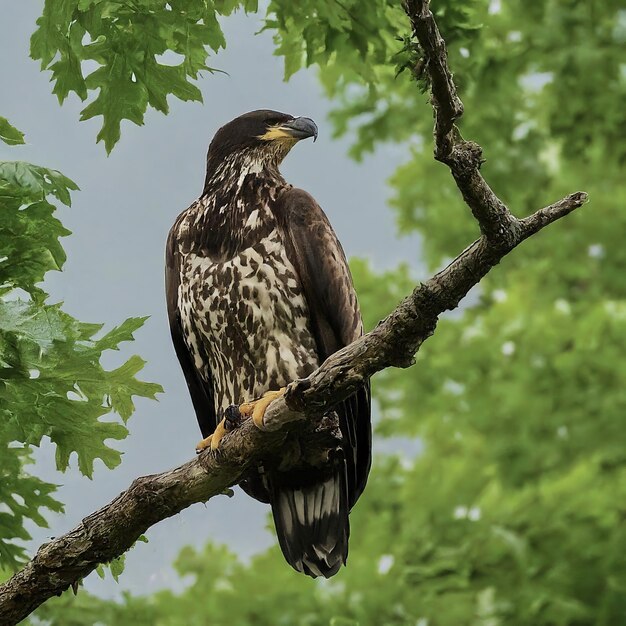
134,47
116,566
51,379
30,232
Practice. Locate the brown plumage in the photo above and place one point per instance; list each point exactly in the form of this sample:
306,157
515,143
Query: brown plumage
259,294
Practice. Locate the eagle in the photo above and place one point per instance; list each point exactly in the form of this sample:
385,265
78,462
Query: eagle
259,294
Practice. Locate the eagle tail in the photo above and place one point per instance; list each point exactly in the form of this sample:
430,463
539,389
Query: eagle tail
312,522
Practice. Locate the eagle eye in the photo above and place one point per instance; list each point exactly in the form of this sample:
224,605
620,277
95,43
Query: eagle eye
275,121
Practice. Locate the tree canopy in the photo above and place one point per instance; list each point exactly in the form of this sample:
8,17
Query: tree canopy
513,513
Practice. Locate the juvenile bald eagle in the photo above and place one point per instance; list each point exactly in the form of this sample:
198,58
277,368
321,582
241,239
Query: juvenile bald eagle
259,294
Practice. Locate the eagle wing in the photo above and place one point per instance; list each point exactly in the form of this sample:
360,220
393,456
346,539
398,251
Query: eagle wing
201,391
321,265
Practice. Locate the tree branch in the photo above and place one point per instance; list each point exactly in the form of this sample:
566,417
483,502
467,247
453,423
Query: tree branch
113,529
464,158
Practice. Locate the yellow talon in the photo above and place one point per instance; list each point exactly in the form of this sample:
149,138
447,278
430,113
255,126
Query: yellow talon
203,445
213,440
257,408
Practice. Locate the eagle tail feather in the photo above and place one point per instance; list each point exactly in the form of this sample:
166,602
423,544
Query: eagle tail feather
312,523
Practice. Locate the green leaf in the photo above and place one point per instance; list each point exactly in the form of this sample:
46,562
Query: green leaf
124,385
123,332
32,182
115,567
120,98
9,134
41,326
68,68
161,80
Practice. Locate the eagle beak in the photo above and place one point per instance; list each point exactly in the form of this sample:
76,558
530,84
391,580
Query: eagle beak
300,128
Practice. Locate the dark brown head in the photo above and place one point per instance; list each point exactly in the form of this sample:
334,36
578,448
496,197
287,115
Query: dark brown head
264,136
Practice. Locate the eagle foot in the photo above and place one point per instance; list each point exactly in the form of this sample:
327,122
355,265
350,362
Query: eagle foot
213,440
231,420
256,409
233,415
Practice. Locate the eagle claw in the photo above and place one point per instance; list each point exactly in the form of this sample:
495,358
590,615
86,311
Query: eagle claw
232,417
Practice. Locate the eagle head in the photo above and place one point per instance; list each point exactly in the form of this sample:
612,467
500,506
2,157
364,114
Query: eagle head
262,136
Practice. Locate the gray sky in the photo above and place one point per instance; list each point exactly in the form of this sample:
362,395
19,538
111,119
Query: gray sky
120,219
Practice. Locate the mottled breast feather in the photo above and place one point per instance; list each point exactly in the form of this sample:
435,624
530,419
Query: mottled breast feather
245,318
236,303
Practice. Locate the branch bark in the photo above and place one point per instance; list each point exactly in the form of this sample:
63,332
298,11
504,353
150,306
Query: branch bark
112,530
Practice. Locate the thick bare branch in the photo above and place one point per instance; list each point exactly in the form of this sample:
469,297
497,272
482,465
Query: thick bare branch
110,531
